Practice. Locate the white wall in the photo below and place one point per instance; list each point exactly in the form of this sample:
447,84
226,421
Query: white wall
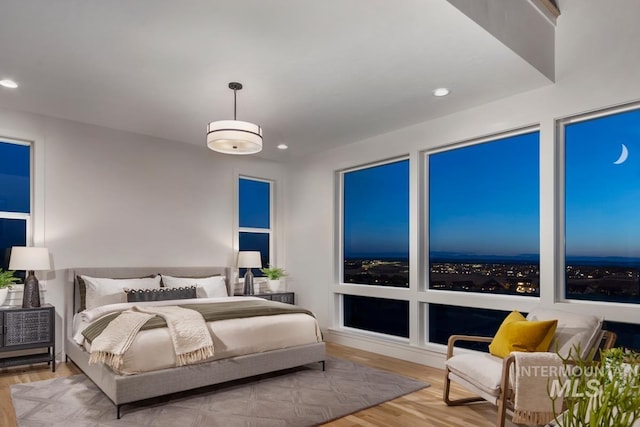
597,62
110,198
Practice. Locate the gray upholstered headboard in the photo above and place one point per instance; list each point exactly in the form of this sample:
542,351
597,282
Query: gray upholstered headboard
129,272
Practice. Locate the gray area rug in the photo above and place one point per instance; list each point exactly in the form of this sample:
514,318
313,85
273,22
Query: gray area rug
304,396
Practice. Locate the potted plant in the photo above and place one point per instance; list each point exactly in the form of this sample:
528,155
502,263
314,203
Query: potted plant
604,393
274,274
6,280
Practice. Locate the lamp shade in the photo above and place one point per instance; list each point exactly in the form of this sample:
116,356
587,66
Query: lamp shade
29,258
249,259
234,137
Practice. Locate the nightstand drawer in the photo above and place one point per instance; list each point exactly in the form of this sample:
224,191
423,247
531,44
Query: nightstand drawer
286,297
27,327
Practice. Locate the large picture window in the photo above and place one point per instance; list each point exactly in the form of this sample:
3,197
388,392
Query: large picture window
376,225
15,197
484,217
254,219
602,202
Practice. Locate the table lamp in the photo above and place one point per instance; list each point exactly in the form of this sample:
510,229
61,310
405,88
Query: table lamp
249,260
30,258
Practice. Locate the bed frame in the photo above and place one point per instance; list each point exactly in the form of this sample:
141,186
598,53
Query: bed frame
124,389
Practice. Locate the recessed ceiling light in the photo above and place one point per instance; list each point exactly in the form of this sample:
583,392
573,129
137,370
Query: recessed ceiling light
8,83
441,91
283,146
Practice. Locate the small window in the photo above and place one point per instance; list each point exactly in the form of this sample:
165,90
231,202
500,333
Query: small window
254,219
13,232
15,197
255,202
447,320
15,178
385,316
255,242
628,334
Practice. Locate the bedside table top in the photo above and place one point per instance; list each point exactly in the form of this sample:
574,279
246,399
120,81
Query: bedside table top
19,307
284,296
258,294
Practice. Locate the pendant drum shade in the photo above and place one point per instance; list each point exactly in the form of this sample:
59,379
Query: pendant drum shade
234,136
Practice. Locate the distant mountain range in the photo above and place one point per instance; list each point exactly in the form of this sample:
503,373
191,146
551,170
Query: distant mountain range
468,257
440,256
614,261
389,256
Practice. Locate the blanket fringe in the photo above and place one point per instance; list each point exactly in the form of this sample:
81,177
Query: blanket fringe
532,417
115,361
194,356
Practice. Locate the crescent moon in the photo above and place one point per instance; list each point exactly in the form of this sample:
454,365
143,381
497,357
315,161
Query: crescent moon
623,156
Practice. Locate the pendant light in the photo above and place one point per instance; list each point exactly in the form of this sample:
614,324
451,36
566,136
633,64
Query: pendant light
234,136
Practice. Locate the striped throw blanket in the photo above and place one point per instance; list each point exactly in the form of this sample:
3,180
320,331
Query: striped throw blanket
534,373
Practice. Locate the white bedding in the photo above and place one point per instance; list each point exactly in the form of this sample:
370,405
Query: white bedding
152,349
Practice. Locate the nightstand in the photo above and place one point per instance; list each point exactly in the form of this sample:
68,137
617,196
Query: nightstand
286,297
25,329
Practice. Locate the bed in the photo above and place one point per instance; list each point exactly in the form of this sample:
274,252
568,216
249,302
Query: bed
134,384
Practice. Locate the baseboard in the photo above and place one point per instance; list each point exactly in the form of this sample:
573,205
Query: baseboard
421,355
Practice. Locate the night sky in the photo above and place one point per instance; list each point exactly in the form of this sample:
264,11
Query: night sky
484,198
254,203
603,198
254,212
376,212
15,182
14,178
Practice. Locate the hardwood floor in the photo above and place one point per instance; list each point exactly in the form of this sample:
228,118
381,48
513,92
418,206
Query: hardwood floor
422,408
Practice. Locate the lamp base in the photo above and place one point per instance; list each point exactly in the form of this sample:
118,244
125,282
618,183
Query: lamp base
248,283
31,294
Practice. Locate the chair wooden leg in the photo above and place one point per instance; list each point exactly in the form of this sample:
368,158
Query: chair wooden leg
447,387
502,411
455,402
505,394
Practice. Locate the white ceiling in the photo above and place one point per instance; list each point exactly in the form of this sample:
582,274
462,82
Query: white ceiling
316,74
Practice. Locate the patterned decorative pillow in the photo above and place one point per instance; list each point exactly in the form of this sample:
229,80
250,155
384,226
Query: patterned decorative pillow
162,294
98,291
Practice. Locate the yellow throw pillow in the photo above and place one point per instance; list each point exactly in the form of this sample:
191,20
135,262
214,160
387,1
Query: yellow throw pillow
519,334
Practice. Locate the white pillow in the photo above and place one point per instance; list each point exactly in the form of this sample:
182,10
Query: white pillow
206,287
574,330
103,291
